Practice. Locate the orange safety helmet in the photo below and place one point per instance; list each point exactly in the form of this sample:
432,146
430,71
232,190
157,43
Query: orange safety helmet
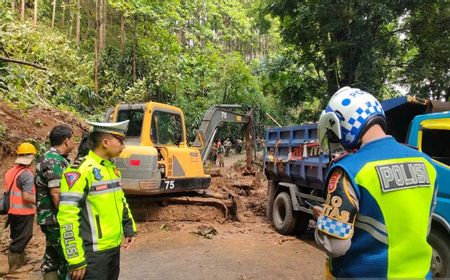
26,148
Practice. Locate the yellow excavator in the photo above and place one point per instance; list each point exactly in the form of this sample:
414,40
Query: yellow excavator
157,163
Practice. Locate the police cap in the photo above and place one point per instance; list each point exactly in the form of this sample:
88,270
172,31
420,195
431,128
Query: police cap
116,128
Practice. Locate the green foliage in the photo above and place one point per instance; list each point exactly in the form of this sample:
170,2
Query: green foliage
348,41
428,60
66,72
194,54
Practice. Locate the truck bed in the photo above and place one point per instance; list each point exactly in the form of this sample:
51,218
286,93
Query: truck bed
292,155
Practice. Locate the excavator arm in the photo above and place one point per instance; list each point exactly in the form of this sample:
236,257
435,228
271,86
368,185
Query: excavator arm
213,120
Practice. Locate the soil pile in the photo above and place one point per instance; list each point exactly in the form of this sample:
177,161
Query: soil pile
33,125
247,188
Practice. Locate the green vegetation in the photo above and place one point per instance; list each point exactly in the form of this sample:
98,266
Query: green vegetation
373,45
283,57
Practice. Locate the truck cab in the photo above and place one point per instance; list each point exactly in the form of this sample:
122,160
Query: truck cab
425,125
156,158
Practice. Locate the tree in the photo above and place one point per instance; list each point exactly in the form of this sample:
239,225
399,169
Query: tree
428,59
122,33
78,23
35,13
351,42
22,10
53,13
102,12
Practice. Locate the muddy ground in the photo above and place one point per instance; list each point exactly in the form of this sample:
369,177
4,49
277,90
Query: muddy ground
183,241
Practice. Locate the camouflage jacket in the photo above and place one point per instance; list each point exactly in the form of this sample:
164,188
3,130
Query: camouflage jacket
48,175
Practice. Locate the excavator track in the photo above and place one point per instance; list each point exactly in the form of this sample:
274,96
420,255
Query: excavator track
180,206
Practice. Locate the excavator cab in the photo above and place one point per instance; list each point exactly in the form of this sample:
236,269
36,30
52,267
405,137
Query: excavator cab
156,158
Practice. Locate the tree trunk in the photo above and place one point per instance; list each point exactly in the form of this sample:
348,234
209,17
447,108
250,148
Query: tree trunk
71,21
97,51
331,71
102,24
78,23
35,13
53,13
249,144
63,18
134,50
22,10
122,33
13,6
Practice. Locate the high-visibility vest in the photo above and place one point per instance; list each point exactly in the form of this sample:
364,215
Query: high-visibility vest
93,213
17,205
395,186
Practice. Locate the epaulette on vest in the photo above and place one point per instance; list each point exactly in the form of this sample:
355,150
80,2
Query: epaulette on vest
340,157
77,163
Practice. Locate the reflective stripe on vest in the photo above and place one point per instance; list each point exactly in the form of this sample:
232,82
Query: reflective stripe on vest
17,205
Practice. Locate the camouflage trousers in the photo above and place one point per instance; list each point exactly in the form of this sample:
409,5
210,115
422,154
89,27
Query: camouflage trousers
54,259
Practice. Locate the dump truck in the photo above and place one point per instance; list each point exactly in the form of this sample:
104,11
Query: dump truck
296,169
158,165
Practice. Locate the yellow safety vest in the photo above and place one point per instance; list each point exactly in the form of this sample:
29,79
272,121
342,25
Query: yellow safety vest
93,213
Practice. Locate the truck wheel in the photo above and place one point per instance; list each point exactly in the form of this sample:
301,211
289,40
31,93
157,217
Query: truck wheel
440,264
284,218
302,222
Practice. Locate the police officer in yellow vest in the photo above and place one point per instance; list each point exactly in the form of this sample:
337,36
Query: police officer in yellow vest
379,200
93,213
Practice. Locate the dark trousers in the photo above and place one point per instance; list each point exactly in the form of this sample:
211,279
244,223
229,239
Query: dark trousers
21,227
53,257
104,265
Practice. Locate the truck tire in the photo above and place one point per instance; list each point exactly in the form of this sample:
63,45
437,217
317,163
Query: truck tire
302,222
440,264
284,218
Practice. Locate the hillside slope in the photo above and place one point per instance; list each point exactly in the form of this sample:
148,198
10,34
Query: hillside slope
32,125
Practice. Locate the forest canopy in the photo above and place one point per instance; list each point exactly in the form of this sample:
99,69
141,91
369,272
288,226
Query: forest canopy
283,57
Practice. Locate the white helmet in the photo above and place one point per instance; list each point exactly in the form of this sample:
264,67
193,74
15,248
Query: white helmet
350,112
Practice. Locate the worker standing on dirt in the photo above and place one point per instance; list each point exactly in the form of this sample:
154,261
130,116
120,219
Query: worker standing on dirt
239,146
93,213
213,155
19,181
49,171
227,144
220,153
376,216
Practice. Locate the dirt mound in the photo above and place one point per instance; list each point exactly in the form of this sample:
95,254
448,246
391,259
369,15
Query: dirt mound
248,190
18,125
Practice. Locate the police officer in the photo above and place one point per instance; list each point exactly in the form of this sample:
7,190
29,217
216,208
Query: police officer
19,181
49,171
376,216
93,213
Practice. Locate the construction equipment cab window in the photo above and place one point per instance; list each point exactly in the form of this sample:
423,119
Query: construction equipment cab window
136,118
166,128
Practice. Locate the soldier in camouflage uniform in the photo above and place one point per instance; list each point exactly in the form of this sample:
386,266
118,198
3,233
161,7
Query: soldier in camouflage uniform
49,170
